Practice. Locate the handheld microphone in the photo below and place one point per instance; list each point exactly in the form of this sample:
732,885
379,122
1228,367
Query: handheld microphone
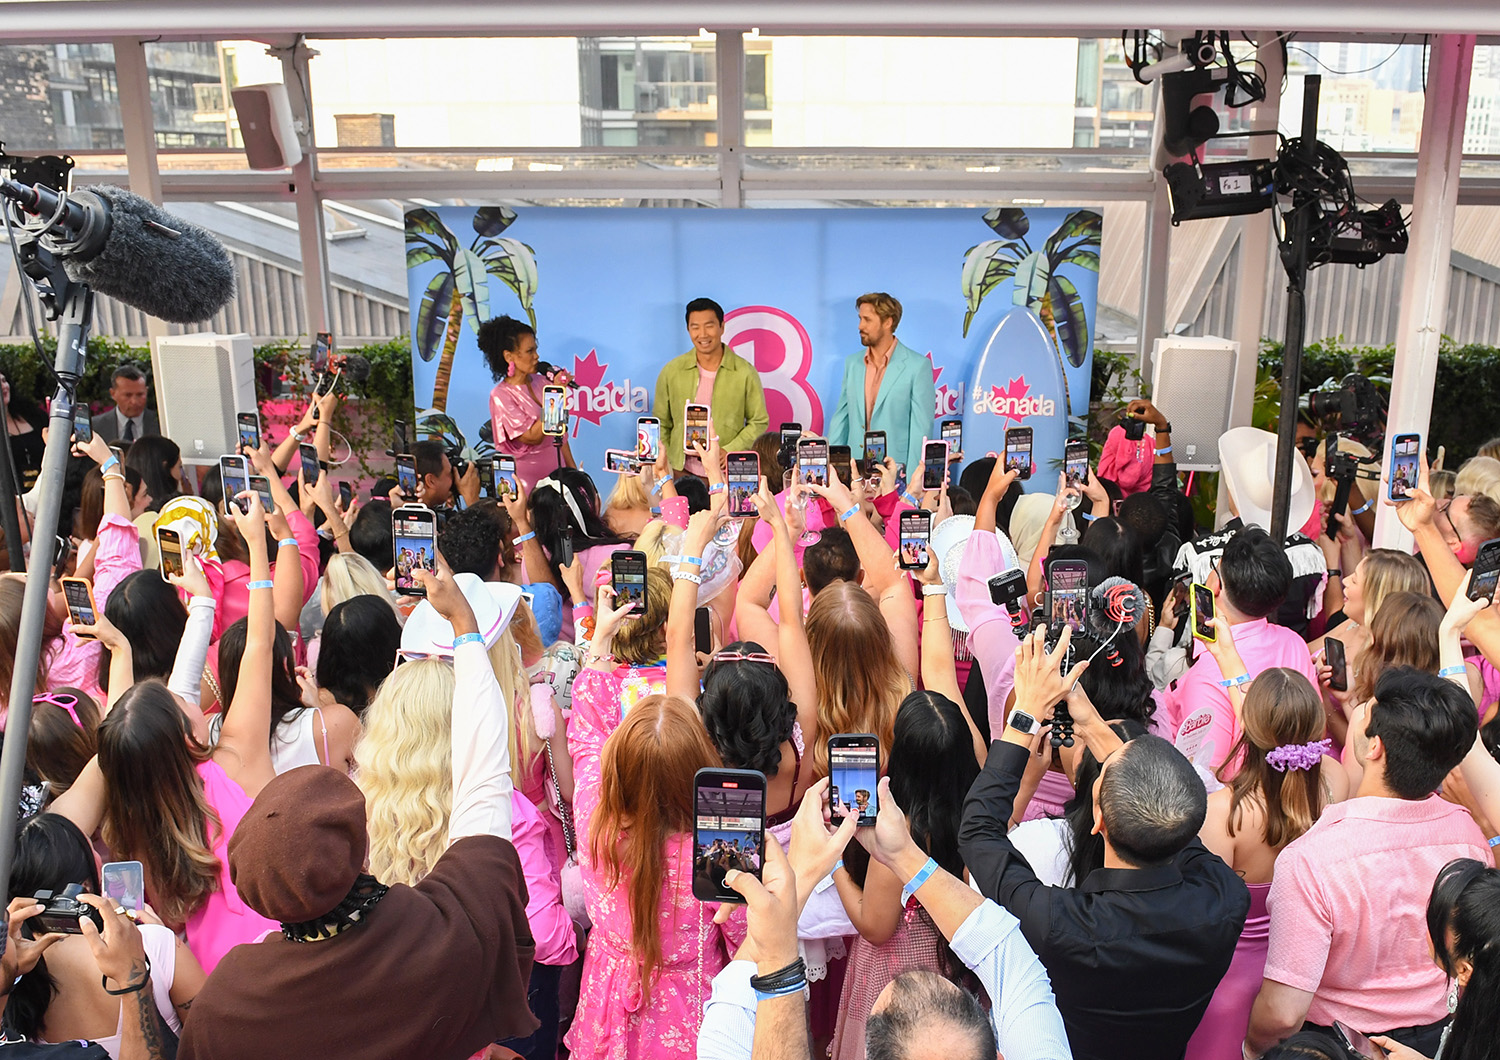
548,372
129,249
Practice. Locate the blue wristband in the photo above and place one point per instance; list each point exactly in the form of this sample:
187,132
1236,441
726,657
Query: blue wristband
1494,842
111,462
468,638
1087,517
923,875
786,991
909,499
1235,682
850,513
263,584
285,541
581,606
659,484
717,487
1163,449
1363,508
523,538
696,561
1454,671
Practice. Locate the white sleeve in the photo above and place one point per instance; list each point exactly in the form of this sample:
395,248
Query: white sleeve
481,748
1165,662
192,650
728,1029
1027,1023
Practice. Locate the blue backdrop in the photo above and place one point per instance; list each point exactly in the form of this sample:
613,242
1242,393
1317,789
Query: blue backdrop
1003,301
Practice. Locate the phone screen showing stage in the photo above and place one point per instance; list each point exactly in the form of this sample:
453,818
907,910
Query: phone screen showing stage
934,464
1203,613
249,428
728,829
80,602
505,478
1067,582
83,427
743,481
916,532
170,547
414,532
262,486
310,466
874,447
554,410
628,578
1486,574
648,439
406,475
952,432
1076,464
812,461
235,480
620,462
1404,465
853,764
695,427
1018,451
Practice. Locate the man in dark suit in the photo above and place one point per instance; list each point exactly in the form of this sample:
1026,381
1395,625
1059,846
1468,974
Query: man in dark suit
129,419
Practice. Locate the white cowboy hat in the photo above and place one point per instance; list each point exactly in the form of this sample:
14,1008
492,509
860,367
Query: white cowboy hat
949,541
428,633
1248,456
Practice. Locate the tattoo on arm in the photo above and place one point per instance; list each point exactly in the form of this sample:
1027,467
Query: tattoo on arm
150,1025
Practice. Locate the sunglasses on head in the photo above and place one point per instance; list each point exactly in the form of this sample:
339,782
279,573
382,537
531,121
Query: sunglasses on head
63,701
744,656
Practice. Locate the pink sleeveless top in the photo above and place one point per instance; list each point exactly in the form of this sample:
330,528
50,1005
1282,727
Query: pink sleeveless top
223,921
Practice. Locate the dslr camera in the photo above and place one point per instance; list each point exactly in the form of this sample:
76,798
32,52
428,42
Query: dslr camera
1354,403
61,912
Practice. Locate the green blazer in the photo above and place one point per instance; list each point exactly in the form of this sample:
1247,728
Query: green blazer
738,405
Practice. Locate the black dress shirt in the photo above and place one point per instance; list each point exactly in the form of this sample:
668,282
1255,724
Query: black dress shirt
1134,954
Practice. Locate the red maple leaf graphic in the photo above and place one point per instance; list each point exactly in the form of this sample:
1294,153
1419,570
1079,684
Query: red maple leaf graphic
587,373
1017,389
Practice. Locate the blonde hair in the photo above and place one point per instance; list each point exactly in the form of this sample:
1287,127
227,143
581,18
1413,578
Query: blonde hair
1478,475
404,766
1442,483
652,541
859,683
628,495
1491,448
1386,571
886,307
348,575
642,640
515,688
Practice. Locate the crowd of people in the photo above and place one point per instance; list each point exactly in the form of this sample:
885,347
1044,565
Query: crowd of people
1254,822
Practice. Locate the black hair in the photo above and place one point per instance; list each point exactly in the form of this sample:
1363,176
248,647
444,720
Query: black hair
1180,515
1146,515
976,476
126,371
1118,546
155,457
1153,802
1307,1045
358,651
428,455
1426,724
552,518
1466,901
51,852
698,305
1255,572
1078,553
370,535
932,767
23,406
1117,683
1084,849
499,336
961,501
829,559
470,543
920,1000
1489,735
286,694
146,609
748,710
692,489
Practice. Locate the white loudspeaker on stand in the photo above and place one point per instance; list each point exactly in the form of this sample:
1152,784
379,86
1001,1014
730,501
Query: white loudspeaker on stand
202,381
266,126
1192,382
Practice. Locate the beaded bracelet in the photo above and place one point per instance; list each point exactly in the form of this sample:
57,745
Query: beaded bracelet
923,875
1454,671
850,513
265,583
468,638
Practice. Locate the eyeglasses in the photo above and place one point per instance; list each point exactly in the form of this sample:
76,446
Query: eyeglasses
1443,511
63,701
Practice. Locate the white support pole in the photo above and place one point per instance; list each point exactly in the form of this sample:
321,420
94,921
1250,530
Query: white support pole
139,122
1155,263
730,60
311,229
1424,284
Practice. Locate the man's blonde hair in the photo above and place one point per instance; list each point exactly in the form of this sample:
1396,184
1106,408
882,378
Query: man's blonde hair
886,307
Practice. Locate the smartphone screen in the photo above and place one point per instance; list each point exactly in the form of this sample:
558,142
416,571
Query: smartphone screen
952,432
310,466
262,485
812,460
249,427
1333,655
1357,1043
406,475
235,478
80,597
1018,451
398,436
1068,589
1486,571
743,481
554,410
729,829
703,631
414,534
505,478
322,346
346,494
695,426
875,451
1404,465
1076,463
170,547
916,531
1203,612
790,433
853,768
125,882
83,427
648,439
934,464
628,578
620,462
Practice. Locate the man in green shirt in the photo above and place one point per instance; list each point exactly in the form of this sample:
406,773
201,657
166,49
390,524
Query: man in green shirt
714,375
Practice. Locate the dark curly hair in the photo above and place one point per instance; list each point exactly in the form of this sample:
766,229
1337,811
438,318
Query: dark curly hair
748,710
499,336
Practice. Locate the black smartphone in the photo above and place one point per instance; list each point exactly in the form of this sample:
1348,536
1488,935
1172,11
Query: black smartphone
1357,1043
311,468
854,774
565,550
742,477
414,546
555,411
234,476
169,545
952,432
790,432
812,461
729,829
80,597
262,485
83,426
1076,463
1405,465
1018,451
398,438
1203,612
1486,571
916,531
505,478
1068,592
406,476
1333,655
346,494
249,428
934,464
703,631
1008,588
695,426
627,575
875,449
647,439
841,460
486,467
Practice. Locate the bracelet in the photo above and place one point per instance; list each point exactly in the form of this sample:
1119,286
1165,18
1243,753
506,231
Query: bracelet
297,433
265,583
852,511
468,638
111,462
909,499
1162,450
113,475
935,590
1454,671
1235,682
523,538
1363,507
660,484
922,876
837,865
1494,842
717,487
687,576
1087,517
285,541
593,658
781,981
582,605
104,982
696,561
1335,572
341,533
1165,428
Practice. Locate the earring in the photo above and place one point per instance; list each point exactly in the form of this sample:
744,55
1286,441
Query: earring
1452,996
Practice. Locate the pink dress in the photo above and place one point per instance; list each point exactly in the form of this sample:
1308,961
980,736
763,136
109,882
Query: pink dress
1223,1028
617,1017
916,946
513,410
229,580
223,920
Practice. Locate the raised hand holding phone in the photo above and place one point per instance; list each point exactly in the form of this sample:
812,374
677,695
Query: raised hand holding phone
192,579
446,598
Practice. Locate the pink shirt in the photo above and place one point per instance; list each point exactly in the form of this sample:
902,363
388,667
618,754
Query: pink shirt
1349,910
223,921
230,580
704,396
513,410
551,927
992,641
1261,645
1127,463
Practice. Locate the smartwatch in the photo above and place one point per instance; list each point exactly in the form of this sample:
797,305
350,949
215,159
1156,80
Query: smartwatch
1022,722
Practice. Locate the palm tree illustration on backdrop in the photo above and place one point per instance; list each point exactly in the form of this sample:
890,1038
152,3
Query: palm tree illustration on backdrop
460,291
1039,286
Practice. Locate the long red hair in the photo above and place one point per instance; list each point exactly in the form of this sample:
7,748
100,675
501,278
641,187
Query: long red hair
645,798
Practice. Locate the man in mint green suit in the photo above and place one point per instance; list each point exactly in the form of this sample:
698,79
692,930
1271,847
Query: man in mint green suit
887,388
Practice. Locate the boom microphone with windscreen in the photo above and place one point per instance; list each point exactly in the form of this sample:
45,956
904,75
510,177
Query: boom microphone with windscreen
129,249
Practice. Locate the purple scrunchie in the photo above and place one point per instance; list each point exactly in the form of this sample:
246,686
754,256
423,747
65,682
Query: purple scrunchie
1297,755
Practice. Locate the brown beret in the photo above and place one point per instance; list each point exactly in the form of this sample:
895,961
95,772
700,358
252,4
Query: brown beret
301,845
